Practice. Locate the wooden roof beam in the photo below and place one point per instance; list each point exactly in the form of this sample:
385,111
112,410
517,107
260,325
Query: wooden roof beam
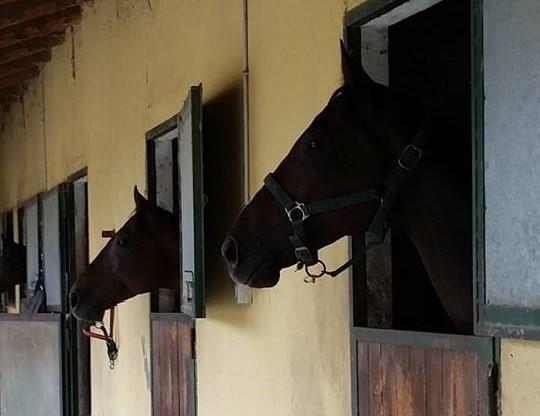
53,23
26,62
30,47
19,77
12,91
7,100
19,11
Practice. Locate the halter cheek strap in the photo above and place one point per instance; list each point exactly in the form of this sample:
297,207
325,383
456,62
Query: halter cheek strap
298,212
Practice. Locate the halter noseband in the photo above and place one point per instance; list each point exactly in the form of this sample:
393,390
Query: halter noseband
298,212
112,348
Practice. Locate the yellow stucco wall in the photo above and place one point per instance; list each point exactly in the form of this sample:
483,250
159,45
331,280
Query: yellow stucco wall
126,68
123,70
520,394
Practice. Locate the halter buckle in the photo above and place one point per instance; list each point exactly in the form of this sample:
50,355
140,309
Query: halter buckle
409,158
300,210
304,256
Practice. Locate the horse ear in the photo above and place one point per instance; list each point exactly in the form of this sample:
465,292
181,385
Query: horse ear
141,203
353,71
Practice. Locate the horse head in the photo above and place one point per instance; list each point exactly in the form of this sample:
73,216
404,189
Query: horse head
348,149
12,264
142,256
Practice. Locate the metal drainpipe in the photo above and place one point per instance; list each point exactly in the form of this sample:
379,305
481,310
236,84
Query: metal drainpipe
243,294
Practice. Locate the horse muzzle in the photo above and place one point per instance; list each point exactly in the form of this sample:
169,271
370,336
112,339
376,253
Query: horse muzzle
82,309
253,268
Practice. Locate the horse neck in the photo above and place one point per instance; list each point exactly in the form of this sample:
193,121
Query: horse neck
15,269
434,213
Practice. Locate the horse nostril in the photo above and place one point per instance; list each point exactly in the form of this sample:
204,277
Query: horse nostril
74,299
230,251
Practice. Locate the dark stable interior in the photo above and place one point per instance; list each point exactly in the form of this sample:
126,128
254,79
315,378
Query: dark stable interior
429,61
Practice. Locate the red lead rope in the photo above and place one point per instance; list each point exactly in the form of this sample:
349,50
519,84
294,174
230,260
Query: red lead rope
112,349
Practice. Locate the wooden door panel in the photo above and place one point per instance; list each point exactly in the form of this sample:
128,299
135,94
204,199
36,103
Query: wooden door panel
172,365
419,374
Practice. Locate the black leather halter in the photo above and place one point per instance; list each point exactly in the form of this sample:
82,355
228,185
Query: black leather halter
299,212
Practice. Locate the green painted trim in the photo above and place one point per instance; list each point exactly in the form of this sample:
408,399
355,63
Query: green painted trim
369,10
198,202
81,173
162,128
509,322
477,125
421,339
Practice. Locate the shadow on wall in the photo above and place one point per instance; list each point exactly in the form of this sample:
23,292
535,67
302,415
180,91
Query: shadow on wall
222,131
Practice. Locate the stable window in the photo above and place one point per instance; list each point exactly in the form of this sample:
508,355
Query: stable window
175,183
162,181
421,50
401,334
53,226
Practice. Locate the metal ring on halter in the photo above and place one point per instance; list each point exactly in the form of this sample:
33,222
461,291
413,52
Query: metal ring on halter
316,275
298,212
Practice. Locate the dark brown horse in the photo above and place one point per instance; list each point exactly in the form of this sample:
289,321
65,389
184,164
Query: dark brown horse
12,264
142,256
350,147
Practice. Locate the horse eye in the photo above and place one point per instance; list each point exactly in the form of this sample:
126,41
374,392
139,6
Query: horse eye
314,144
122,242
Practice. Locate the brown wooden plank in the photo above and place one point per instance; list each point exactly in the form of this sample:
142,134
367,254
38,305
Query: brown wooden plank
417,374
174,385
168,364
19,11
483,384
7,100
24,63
469,369
156,369
459,391
434,382
449,395
362,382
54,23
389,372
18,77
403,404
30,47
13,90
375,380
185,355
164,371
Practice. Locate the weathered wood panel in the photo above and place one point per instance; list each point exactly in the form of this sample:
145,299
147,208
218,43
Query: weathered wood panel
172,356
403,380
